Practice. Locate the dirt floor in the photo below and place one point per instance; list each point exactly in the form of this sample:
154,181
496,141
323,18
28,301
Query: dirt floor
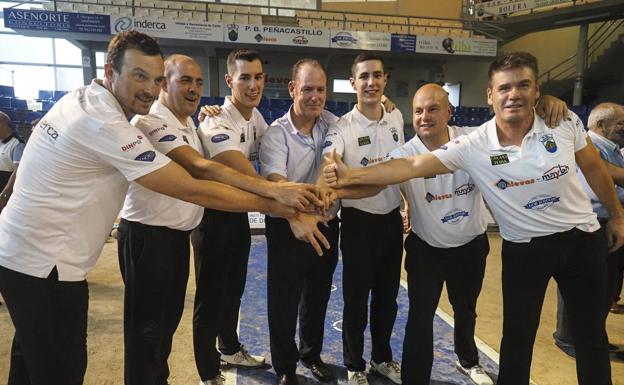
105,343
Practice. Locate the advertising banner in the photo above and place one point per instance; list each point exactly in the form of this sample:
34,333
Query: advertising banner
403,43
501,7
40,20
376,41
276,35
455,46
171,29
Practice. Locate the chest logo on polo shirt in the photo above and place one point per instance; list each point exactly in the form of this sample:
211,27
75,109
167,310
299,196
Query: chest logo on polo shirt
499,159
131,145
437,197
505,184
364,140
184,138
168,138
541,202
556,172
242,138
220,138
327,144
548,140
155,130
146,156
464,189
395,134
364,162
454,216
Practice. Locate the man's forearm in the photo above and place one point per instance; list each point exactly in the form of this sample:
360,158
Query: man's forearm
358,192
397,170
602,185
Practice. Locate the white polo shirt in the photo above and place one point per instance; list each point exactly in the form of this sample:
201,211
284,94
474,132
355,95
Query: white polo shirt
71,184
446,210
361,143
11,150
143,205
532,190
231,131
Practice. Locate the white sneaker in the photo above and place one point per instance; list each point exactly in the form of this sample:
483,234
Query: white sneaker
391,370
476,374
242,358
357,378
218,380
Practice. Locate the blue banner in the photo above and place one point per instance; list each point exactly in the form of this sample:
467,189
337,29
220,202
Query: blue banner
403,43
40,20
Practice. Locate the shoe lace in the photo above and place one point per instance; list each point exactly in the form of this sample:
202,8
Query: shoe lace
243,352
393,365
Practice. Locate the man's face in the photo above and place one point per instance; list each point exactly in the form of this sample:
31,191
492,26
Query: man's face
309,91
369,81
432,112
183,86
512,94
614,128
246,82
138,83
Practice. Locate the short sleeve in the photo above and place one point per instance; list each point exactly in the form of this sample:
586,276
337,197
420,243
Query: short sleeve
402,126
402,152
125,148
18,150
580,135
453,153
217,137
274,152
163,137
333,141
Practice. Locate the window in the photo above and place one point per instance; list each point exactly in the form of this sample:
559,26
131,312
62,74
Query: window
343,86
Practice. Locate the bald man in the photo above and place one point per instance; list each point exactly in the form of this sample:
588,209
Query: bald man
447,244
153,241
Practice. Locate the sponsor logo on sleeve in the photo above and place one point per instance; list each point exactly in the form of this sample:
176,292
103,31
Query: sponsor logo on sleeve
548,140
327,144
50,131
454,216
499,159
219,138
131,145
541,202
157,130
168,138
364,140
146,156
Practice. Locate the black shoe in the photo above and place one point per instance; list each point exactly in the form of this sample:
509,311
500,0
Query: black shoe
613,348
287,379
320,370
566,348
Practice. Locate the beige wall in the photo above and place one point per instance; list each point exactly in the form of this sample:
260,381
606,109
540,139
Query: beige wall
473,77
438,8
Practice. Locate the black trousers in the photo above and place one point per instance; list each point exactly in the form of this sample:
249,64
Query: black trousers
299,283
428,267
372,248
577,261
154,264
221,246
50,320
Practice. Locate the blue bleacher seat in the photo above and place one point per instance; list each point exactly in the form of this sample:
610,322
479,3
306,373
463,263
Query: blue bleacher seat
19,104
343,106
264,103
32,115
331,105
5,102
46,95
279,103
7,91
579,110
58,94
46,105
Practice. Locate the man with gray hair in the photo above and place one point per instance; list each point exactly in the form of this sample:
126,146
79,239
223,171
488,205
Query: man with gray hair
606,131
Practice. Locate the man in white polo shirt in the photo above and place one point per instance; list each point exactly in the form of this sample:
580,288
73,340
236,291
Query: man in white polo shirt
11,149
73,180
527,174
371,231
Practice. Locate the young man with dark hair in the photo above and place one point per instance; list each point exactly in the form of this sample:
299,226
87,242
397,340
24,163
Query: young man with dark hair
527,174
371,230
71,185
